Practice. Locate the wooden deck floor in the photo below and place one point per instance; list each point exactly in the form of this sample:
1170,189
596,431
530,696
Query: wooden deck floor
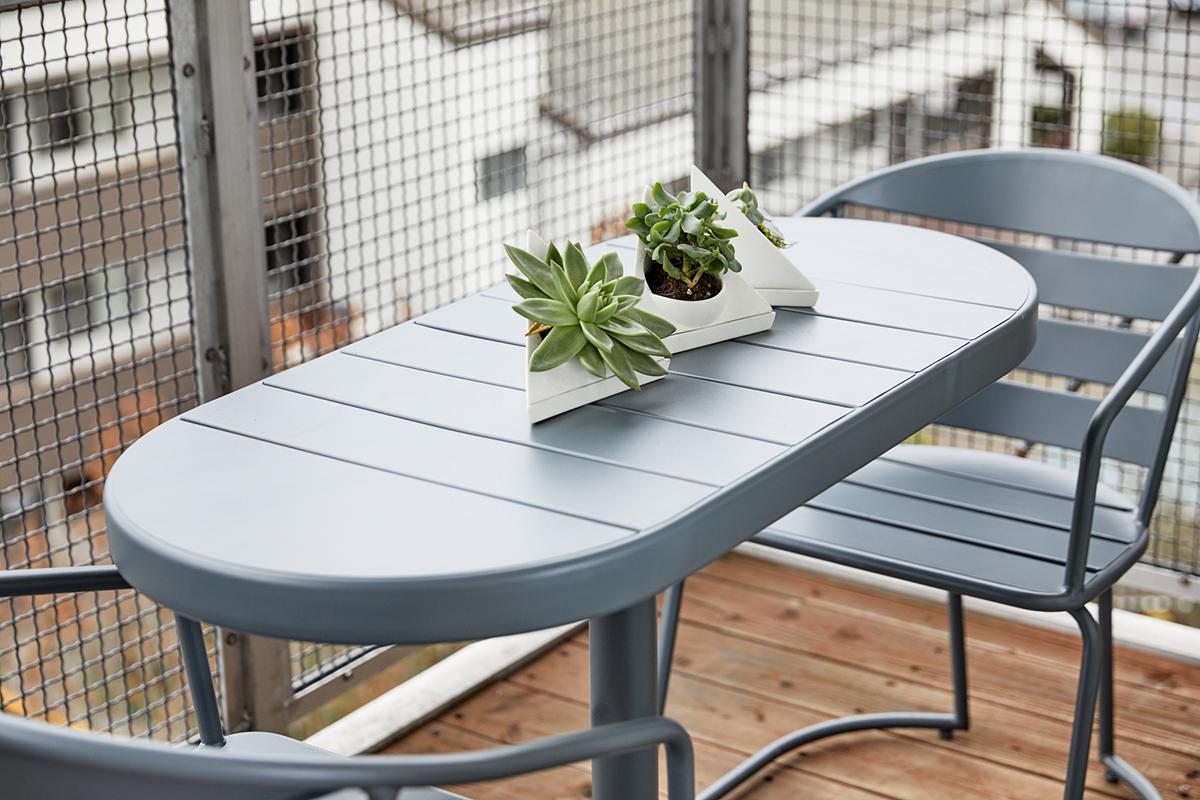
765,649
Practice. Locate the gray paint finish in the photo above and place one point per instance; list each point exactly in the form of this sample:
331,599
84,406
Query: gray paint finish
758,414
395,492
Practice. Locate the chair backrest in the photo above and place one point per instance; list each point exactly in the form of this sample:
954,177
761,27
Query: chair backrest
39,760
1086,199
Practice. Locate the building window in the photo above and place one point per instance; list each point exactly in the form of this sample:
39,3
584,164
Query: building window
278,76
961,118
289,254
86,304
14,358
773,164
1054,103
53,117
864,131
500,173
66,307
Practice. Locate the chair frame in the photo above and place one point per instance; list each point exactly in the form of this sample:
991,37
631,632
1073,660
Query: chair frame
208,772
1095,686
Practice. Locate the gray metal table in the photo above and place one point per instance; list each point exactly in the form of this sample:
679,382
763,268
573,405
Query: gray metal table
393,492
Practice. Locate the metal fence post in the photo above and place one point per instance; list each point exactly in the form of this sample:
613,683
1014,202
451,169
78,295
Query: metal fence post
722,107
217,112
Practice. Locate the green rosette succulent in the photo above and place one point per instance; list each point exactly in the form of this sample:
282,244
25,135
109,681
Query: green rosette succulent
747,202
682,236
587,312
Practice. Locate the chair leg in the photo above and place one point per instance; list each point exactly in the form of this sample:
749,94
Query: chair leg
1104,724
1116,769
958,667
667,629
204,697
945,724
1085,704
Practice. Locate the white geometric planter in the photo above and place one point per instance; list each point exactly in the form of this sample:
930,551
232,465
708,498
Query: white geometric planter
568,386
737,311
764,266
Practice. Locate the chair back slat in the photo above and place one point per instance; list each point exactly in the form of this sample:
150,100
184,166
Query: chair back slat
1133,289
1075,198
1055,418
1089,353
1052,192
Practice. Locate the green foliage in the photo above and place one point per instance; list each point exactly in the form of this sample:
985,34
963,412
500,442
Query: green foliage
1050,127
681,234
747,202
1131,134
1048,116
587,312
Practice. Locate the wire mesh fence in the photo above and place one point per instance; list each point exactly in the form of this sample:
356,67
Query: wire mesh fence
94,325
841,89
399,142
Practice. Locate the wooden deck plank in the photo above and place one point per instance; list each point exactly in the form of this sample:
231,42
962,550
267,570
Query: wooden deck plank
454,732
1133,667
775,675
1001,672
764,649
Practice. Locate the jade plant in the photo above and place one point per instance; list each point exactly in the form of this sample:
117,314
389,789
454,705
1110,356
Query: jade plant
682,235
588,313
746,201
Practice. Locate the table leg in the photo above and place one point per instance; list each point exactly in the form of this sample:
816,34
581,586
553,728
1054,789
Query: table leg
624,686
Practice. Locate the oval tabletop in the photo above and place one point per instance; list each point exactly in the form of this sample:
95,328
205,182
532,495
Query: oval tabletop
394,491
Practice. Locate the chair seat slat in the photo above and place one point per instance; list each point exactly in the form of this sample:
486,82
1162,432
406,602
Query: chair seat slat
960,524
989,497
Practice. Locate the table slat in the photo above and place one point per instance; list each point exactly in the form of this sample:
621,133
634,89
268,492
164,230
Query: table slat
635,440
315,500
528,475
760,414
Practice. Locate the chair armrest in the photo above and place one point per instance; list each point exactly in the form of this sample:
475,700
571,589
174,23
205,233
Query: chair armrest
385,776
56,580
1092,451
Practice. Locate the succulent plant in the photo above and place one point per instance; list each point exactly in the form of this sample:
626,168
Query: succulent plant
681,234
587,312
747,202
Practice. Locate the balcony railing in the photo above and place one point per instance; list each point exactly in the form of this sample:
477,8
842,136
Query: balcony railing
190,200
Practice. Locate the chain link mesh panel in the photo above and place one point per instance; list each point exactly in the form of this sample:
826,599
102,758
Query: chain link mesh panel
403,140
839,90
95,336
400,142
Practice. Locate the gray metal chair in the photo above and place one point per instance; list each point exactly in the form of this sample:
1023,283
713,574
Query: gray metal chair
41,761
1001,527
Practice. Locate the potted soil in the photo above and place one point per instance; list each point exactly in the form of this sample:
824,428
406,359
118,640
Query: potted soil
684,253
587,337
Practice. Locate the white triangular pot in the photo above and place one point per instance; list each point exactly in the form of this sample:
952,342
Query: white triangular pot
764,266
552,392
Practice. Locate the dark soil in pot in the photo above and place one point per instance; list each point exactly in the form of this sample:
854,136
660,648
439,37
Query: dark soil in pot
664,285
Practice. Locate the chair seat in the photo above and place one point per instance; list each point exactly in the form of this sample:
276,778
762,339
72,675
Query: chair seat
983,524
257,743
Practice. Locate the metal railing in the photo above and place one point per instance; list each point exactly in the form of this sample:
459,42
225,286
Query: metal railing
196,193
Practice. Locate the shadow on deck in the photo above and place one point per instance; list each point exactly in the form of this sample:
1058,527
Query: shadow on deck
765,649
